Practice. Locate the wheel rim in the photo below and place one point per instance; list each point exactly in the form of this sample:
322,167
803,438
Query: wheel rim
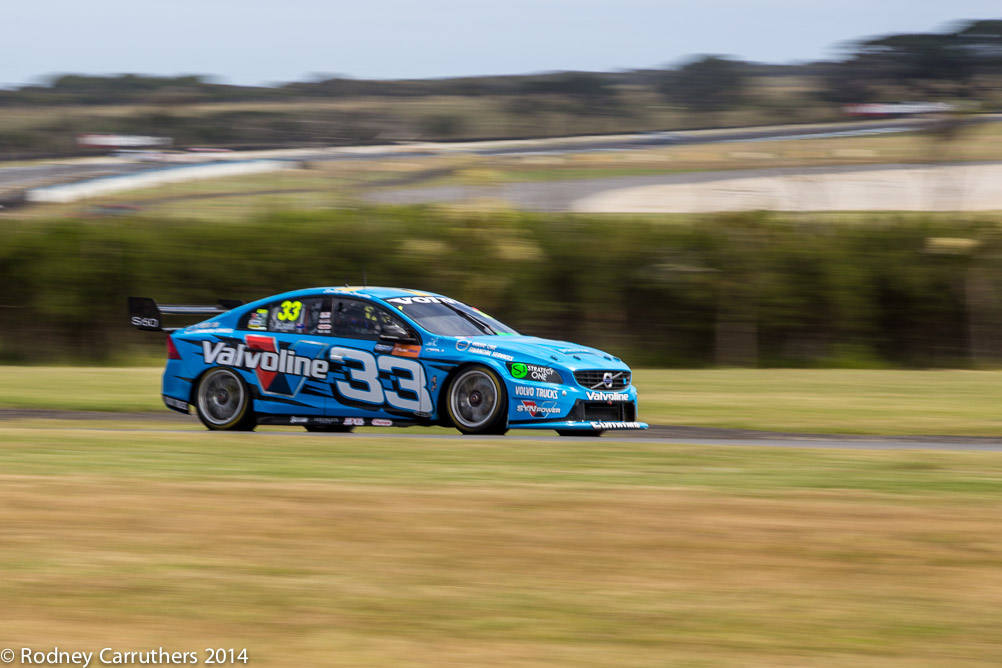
474,399
221,397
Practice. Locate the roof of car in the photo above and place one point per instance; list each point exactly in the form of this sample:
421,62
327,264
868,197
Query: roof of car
371,291
365,292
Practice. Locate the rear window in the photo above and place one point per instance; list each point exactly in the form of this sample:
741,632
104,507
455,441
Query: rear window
288,316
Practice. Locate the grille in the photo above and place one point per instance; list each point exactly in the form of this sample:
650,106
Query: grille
595,379
604,411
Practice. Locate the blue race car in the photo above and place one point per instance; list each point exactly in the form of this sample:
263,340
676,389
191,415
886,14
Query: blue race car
332,359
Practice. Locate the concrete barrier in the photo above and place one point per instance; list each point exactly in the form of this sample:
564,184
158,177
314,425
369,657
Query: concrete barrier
106,185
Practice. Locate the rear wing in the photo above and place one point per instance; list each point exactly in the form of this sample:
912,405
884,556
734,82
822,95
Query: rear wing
146,314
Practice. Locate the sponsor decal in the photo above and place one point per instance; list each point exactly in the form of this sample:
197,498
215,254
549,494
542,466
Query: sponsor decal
271,364
572,351
486,352
325,315
176,404
616,425
145,322
538,409
537,392
432,342
221,330
606,396
258,319
383,348
299,420
541,374
323,327
325,420
406,301
462,345
204,325
406,350
434,350
354,422
380,422
261,354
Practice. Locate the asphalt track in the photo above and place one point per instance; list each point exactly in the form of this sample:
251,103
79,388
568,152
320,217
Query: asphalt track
658,434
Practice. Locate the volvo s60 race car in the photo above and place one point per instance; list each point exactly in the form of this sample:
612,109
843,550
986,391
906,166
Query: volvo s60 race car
331,359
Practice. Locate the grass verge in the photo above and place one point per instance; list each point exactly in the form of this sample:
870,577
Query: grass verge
322,550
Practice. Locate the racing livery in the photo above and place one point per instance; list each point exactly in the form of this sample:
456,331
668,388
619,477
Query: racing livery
332,359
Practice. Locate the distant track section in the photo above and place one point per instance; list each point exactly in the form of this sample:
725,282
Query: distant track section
51,183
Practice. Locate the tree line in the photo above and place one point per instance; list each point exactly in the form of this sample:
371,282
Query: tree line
753,289
961,63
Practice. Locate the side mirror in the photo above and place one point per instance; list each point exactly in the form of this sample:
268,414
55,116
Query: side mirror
394,333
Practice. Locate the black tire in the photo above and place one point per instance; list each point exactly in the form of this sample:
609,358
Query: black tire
223,401
477,402
331,428
581,432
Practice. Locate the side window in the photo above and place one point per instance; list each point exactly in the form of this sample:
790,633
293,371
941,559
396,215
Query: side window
290,316
295,316
356,319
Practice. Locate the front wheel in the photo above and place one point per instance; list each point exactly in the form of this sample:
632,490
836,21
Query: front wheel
477,402
223,401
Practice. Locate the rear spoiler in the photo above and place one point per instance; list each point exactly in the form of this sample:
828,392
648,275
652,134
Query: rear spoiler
146,314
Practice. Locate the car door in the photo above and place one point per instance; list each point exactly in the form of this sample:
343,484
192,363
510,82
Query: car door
369,378
285,356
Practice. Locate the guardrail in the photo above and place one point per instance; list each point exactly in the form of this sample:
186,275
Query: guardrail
105,185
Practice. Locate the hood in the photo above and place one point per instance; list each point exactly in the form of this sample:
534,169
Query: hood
546,351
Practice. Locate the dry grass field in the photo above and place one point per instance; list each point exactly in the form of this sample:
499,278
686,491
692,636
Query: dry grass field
375,550
325,550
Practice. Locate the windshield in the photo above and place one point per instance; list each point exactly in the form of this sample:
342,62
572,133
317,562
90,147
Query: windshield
447,317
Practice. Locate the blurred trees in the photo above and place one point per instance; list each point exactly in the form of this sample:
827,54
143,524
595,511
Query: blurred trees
707,83
963,61
733,290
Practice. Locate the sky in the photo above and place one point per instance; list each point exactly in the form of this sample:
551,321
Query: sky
273,41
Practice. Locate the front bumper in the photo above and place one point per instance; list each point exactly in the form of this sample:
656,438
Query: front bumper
575,425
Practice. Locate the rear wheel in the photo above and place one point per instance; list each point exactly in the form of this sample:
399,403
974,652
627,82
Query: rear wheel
477,402
223,401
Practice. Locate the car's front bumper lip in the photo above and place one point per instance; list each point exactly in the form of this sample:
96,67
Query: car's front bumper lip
579,425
